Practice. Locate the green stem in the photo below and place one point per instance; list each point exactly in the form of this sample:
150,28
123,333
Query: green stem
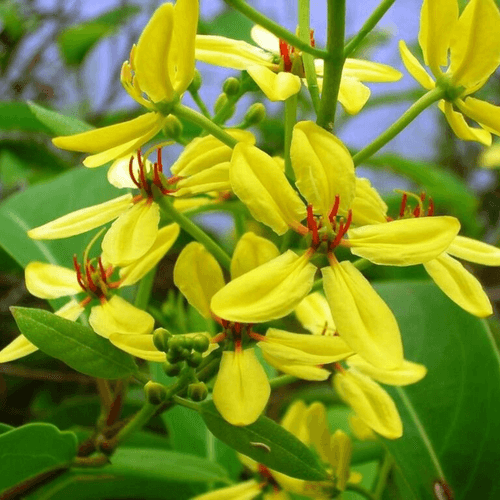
281,381
186,403
279,31
144,290
140,419
308,60
366,451
360,490
196,232
290,120
141,377
361,264
199,102
334,64
198,119
406,118
370,23
318,285
383,475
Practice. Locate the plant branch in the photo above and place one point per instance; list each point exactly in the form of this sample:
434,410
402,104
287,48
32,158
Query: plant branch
290,119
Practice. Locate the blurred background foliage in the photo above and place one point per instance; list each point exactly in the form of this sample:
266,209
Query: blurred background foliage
66,56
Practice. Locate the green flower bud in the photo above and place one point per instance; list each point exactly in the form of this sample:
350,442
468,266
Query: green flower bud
172,127
155,393
255,114
201,343
172,370
185,353
160,339
231,86
194,359
174,356
220,102
196,82
197,391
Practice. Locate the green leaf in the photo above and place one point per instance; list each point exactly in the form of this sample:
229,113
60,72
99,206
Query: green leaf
78,346
31,450
42,203
447,189
76,41
57,123
450,418
5,428
266,442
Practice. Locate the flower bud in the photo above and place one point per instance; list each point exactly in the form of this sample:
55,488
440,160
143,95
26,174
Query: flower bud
220,102
172,370
194,359
195,82
231,86
160,339
201,343
155,393
174,356
255,114
172,127
197,391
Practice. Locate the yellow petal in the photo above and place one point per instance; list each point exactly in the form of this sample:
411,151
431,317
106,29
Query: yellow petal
48,281
259,183
318,428
265,39
141,346
16,349
268,292
230,53
126,148
490,158
404,242
242,491
359,429
251,251
119,316
215,178
165,238
70,311
475,251
314,315
205,152
82,220
297,369
187,204
181,55
353,94
323,168
363,319
438,19
102,139
320,349
371,403
294,421
341,457
415,68
241,390
118,174
368,71
486,114
367,207
132,234
407,373
248,462
152,55
459,285
461,128
198,276
276,86
475,43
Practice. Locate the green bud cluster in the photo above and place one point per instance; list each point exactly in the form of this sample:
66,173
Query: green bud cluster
155,393
197,391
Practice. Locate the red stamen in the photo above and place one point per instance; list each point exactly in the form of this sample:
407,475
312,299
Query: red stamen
237,346
102,270
311,38
430,209
404,199
237,328
109,271
142,173
416,211
422,196
348,223
78,273
131,172
156,176
218,338
88,273
257,336
338,367
160,164
224,322
338,237
174,179
285,55
311,224
115,284
85,301
335,209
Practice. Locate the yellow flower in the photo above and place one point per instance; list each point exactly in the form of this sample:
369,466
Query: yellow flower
162,67
490,158
278,69
114,318
472,41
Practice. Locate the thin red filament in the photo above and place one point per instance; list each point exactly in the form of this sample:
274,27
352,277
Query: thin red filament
404,199
285,55
131,172
311,224
335,208
79,273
